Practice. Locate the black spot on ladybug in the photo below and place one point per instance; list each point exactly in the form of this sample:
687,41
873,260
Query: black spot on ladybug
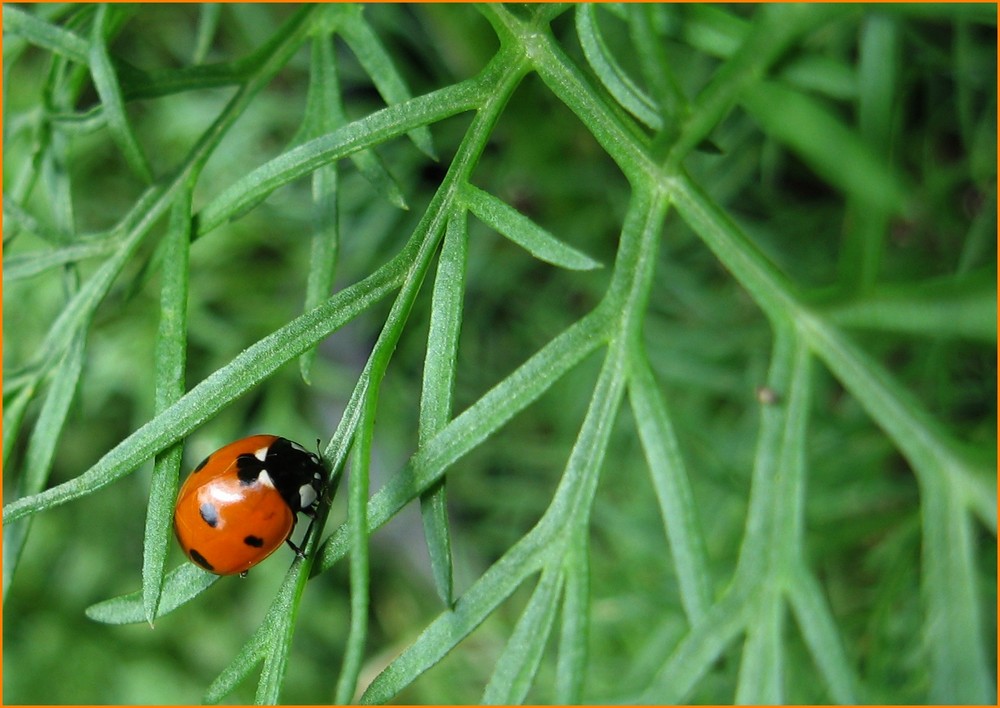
248,469
200,560
209,514
202,464
255,541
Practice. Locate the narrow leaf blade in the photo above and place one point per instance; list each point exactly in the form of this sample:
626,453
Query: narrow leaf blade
509,222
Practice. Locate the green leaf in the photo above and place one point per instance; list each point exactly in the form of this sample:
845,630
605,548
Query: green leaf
17,218
208,25
919,436
180,585
376,60
827,145
612,76
276,633
574,635
657,69
773,30
171,357
363,133
819,629
321,101
325,113
373,169
509,222
932,308
14,408
673,489
22,266
106,83
515,670
325,247
438,388
763,660
357,527
43,34
878,75
773,539
42,447
954,626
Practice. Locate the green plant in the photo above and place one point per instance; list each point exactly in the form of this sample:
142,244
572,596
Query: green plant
770,197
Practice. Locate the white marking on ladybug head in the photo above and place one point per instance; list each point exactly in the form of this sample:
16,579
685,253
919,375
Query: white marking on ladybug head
307,495
265,479
296,446
261,453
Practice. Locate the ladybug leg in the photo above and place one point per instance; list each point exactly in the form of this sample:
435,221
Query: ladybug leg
311,513
298,549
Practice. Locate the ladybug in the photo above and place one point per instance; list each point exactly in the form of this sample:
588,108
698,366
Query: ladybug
241,503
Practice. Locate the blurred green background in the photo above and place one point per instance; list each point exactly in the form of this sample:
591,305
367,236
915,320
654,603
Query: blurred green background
709,344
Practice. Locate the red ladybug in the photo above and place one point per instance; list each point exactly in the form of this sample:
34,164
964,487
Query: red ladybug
241,503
